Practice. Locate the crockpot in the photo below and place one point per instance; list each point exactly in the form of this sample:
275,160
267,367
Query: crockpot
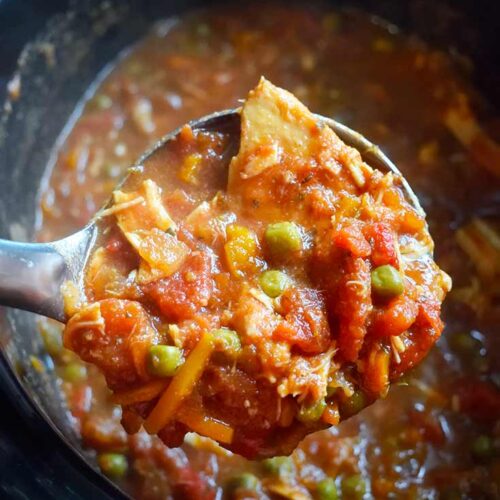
57,48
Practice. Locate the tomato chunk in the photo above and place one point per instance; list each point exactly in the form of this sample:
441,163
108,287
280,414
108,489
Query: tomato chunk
114,335
306,325
421,336
395,318
353,307
383,242
183,294
349,236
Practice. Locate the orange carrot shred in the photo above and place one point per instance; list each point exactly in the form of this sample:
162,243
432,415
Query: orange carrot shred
140,394
376,376
331,414
195,418
181,386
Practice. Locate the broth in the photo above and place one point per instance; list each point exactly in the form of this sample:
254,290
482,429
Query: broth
438,435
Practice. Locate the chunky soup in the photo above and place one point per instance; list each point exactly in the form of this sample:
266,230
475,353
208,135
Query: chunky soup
251,298
435,437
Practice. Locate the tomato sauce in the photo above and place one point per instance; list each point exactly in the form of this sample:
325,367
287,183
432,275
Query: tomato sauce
435,436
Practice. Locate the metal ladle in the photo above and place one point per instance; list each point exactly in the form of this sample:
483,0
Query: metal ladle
31,274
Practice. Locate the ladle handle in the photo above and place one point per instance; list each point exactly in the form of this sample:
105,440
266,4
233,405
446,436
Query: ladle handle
31,275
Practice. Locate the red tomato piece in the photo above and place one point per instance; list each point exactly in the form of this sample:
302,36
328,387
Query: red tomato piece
183,294
306,326
383,243
349,236
422,335
393,319
118,346
353,305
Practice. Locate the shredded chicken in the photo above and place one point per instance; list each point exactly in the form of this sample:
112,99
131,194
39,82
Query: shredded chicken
119,207
307,378
275,125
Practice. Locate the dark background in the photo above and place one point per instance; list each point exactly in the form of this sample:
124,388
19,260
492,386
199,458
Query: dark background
17,20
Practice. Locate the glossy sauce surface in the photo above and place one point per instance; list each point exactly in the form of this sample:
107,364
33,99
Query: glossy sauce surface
439,433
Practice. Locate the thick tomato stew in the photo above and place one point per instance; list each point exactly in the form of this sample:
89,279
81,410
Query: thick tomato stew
304,286
253,316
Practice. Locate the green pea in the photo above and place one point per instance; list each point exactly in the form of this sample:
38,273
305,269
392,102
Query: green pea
103,101
228,340
326,490
245,481
353,405
353,487
113,465
163,360
387,281
52,337
311,413
278,466
482,447
74,373
283,238
273,283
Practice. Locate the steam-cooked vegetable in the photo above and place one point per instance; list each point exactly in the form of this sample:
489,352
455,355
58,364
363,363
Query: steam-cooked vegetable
164,360
387,281
326,489
227,340
273,283
241,249
426,416
195,418
181,386
113,465
312,413
310,269
353,487
283,238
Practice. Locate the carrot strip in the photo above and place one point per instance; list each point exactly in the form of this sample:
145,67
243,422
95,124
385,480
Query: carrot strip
205,425
331,414
140,394
181,386
376,376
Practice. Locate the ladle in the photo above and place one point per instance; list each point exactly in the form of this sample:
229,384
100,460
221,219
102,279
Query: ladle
31,274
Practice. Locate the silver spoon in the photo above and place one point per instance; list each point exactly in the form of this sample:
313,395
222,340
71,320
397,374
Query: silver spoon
31,274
